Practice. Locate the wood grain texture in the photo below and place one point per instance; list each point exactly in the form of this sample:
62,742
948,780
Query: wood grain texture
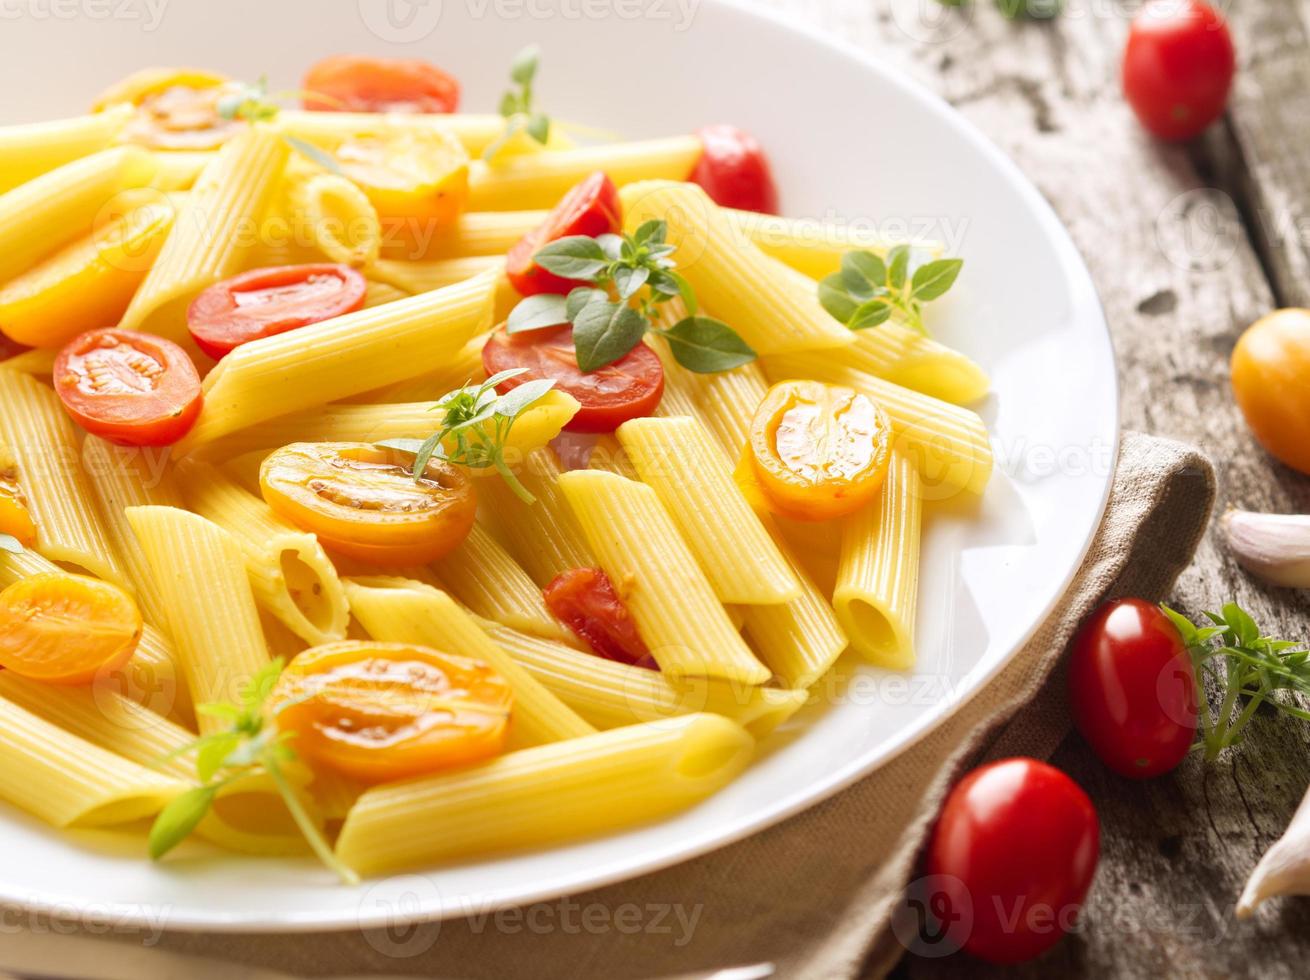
1178,240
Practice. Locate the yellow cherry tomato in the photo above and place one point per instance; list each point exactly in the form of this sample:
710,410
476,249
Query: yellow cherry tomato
1271,380
15,515
385,711
177,108
363,502
819,451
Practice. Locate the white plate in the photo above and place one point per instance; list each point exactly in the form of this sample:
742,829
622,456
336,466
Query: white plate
849,140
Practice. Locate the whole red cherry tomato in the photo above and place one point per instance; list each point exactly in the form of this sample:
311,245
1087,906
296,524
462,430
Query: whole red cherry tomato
591,208
1013,852
734,171
358,83
1178,67
1132,689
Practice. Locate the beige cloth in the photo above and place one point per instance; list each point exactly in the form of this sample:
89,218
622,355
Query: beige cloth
813,896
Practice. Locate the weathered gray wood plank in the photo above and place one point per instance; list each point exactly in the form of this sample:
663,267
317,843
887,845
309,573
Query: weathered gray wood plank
1179,279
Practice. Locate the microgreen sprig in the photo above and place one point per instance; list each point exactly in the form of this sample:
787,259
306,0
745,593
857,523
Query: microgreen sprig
516,104
867,290
11,544
475,424
1248,668
252,102
250,744
629,276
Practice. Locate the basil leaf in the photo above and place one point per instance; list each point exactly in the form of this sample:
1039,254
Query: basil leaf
509,104
580,297
500,376
575,257
934,278
611,245
524,66
512,404
425,453
651,232
539,127
705,345
629,281
688,294
212,754
834,298
663,284
11,544
604,332
536,312
863,273
176,821
898,260
870,314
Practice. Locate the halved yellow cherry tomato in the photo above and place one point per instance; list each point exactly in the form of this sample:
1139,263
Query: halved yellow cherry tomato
362,501
384,711
15,516
410,176
820,451
66,629
177,108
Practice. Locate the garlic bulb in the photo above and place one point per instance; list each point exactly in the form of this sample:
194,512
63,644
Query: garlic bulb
1285,868
1273,547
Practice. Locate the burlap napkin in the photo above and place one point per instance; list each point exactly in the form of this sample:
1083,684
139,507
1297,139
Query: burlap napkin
813,896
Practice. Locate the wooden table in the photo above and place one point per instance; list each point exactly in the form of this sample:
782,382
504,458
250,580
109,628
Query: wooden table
1187,245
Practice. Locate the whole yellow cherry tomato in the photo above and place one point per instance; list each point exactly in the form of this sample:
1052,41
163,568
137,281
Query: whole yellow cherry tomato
1271,380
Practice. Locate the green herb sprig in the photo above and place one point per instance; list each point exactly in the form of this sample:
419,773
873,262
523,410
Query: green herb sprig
252,102
475,424
629,277
11,544
516,104
867,290
249,745
1248,668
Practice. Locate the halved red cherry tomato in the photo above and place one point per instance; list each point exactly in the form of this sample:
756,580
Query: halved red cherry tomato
1178,67
584,600
364,502
1132,688
264,302
1015,847
820,451
385,711
358,83
734,171
134,389
591,208
626,389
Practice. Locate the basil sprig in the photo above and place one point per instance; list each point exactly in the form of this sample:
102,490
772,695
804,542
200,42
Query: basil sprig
629,277
516,104
867,290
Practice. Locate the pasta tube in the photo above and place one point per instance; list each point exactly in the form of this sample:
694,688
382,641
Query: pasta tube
878,578
212,616
69,527
397,610
539,180
724,402
677,457
604,782
480,233
609,694
337,358
32,149
290,573
674,605
215,230
731,277
330,129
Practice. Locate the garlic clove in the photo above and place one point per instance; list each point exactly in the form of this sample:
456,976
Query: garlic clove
1285,867
1272,547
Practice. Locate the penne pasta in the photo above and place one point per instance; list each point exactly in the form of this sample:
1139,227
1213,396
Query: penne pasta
397,610
539,180
337,217
878,578
457,370
474,234
212,617
679,460
32,149
348,354
733,278
671,601
609,694
426,274
724,402
69,526
604,782
329,129
292,578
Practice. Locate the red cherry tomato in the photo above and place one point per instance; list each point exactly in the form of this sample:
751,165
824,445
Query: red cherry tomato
1178,67
357,83
626,389
1015,848
591,208
1132,689
264,302
584,599
134,389
734,171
